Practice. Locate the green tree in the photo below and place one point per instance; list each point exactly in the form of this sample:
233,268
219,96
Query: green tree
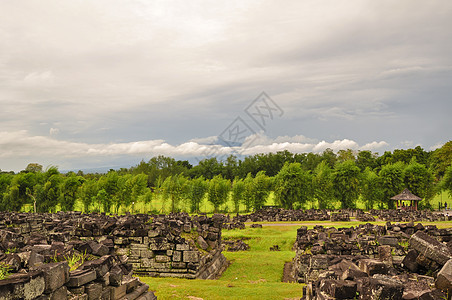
197,191
139,186
293,185
371,190
323,188
248,192
123,192
440,159
238,187
147,197
345,155
392,181
366,159
346,183
218,192
69,189
5,181
34,168
261,187
88,194
446,183
11,200
419,180
48,193
174,189
104,200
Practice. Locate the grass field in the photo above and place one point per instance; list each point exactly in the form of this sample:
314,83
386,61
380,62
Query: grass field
253,274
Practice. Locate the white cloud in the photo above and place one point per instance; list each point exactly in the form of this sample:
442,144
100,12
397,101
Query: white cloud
436,146
165,72
374,145
21,144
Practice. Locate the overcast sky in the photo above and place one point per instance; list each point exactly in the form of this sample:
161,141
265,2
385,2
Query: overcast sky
88,84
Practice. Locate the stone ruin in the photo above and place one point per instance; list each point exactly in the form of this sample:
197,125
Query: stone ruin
152,245
395,261
106,277
272,214
400,215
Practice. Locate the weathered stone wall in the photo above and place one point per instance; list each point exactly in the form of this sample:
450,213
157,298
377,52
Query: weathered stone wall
272,214
399,215
156,245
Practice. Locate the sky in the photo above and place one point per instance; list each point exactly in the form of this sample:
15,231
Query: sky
107,83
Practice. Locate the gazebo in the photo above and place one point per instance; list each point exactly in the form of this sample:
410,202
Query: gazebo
406,195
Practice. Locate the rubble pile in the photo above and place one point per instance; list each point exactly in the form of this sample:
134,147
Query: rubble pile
395,261
400,215
175,245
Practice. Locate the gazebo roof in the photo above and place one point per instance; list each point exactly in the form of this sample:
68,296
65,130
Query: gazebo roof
406,195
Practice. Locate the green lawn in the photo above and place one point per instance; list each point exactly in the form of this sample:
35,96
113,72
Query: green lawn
253,274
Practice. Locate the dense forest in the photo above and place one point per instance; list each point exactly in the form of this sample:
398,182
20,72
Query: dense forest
319,179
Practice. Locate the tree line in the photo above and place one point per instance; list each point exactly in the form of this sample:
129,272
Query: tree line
321,180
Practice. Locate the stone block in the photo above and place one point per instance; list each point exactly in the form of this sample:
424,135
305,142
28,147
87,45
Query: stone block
182,247
101,265
153,233
118,240
385,255
372,266
105,280
147,253
81,277
131,283
388,240
352,274
136,292
106,293
409,261
162,258
202,243
319,262
159,244
77,290
179,265
380,288
430,247
116,275
55,275
339,289
191,256
59,294
93,290
177,256
122,251
118,292
444,278
146,262
23,286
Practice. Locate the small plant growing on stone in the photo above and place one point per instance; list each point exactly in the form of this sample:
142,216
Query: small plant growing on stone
405,244
76,260
4,270
11,250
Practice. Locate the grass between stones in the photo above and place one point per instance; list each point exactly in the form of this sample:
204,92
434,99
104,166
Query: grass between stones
253,274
